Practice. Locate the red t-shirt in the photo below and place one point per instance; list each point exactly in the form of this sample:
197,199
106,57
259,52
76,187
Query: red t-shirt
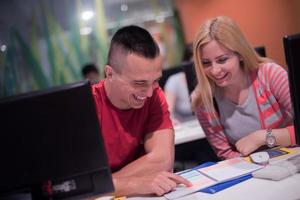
124,130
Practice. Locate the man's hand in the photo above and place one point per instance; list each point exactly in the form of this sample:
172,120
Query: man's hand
158,183
251,142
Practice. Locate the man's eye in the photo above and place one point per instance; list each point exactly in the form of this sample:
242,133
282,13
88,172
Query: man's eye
139,84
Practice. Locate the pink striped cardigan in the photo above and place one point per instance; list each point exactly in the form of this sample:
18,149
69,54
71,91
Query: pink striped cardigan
271,88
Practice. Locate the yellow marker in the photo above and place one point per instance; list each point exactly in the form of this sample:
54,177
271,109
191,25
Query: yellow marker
119,198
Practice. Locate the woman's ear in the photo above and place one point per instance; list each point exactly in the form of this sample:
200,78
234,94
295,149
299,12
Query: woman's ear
241,61
241,58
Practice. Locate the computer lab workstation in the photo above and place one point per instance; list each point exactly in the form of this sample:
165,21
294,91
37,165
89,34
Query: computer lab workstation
44,153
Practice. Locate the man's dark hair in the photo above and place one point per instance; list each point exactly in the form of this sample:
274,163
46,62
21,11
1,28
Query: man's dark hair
90,67
132,39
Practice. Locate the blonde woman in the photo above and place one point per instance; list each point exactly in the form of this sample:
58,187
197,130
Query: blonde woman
242,100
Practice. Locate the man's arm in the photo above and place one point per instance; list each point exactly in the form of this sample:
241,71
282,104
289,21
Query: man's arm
151,173
159,148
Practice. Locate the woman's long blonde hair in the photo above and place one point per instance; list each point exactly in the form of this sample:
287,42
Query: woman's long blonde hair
225,31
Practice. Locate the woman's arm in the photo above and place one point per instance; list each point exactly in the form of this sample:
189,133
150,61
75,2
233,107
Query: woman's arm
215,136
279,87
256,139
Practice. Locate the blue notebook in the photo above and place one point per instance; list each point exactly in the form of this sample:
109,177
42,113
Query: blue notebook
221,186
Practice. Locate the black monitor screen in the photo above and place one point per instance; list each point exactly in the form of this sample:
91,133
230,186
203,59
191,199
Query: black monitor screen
292,54
52,138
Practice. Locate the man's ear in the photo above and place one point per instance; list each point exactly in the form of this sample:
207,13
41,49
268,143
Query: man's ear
108,71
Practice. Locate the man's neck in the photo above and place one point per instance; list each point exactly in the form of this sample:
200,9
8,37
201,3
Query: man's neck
111,96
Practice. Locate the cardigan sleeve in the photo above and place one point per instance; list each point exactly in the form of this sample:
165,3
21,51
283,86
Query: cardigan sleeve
277,78
215,135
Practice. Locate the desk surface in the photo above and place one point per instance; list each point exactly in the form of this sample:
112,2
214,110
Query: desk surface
252,189
188,131
255,189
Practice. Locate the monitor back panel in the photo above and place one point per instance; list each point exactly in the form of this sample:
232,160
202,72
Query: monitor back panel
50,135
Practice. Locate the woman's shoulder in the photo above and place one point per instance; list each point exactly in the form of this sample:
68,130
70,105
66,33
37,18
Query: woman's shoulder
270,67
269,73
268,70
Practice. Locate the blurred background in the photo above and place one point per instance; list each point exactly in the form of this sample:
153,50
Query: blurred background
45,43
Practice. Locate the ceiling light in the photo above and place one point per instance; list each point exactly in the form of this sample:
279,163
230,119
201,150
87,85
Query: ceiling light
87,15
124,7
3,48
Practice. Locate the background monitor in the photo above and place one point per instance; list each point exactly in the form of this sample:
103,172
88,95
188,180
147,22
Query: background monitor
261,50
51,144
292,55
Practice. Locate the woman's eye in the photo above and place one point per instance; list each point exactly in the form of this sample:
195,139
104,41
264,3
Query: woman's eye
222,60
206,63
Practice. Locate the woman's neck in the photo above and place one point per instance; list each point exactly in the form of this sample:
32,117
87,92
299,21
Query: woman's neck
238,92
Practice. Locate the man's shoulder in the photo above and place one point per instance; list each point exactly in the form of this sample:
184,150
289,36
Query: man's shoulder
98,88
99,85
158,94
98,93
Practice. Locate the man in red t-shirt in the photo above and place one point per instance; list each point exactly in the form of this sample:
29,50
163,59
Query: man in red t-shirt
134,118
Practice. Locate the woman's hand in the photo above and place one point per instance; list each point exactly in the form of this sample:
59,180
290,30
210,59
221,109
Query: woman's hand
251,142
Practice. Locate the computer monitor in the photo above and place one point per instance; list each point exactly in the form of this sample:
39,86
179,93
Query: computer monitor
51,144
292,54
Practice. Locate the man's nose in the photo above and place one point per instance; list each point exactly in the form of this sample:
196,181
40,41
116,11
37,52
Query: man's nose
150,89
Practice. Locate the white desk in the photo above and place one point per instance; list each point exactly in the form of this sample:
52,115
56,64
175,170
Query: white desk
188,131
256,189
251,189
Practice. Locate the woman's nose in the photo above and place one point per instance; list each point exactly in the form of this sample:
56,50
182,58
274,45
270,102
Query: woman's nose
215,68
